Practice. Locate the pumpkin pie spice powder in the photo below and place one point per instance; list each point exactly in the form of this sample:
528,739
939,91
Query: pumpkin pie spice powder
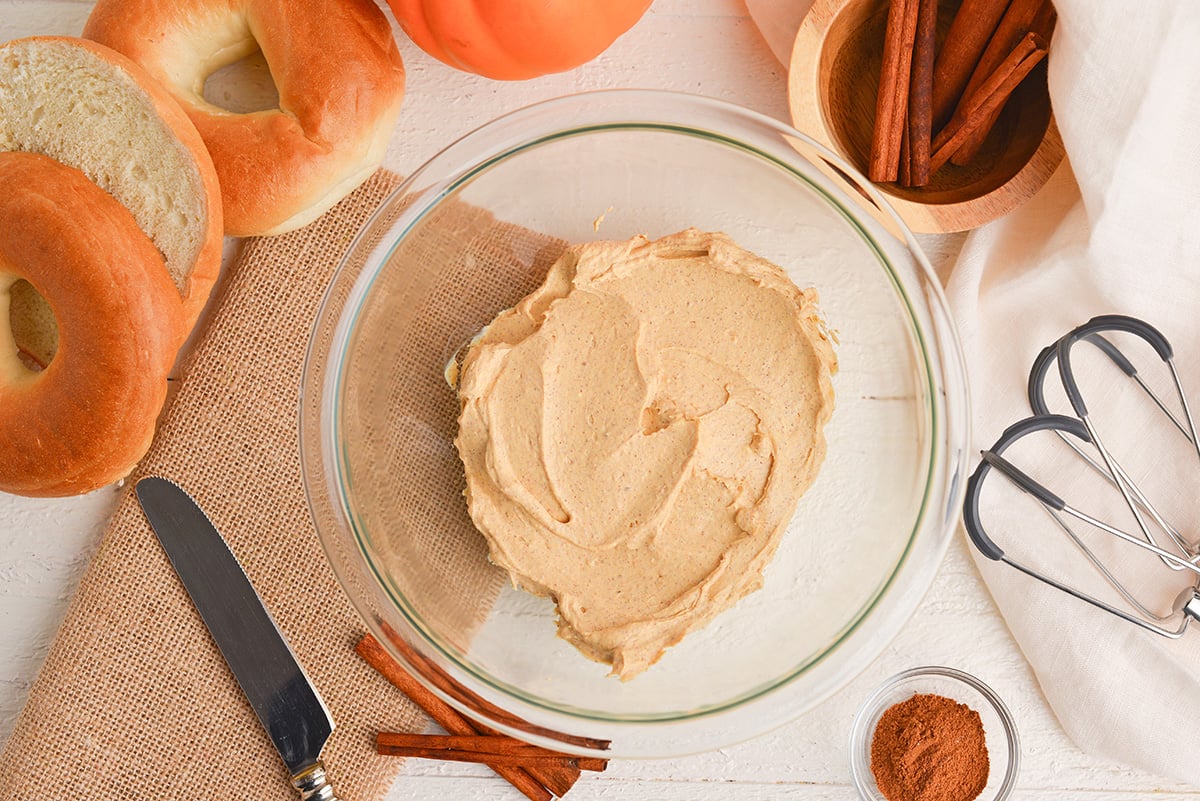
929,748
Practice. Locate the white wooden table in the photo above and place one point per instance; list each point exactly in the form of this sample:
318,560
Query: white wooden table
709,47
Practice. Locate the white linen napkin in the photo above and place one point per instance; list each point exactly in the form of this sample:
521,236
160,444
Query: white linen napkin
1125,88
778,21
1115,231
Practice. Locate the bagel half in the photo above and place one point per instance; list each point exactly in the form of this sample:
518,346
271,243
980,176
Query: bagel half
87,418
94,109
340,82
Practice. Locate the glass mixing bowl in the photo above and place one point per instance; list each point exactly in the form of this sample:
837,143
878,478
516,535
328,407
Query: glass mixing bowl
474,230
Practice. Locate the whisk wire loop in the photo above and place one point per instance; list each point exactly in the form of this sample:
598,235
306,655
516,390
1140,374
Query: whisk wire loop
1112,473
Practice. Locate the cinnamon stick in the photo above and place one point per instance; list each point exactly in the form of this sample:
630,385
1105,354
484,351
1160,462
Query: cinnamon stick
904,176
991,95
491,760
891,103
446,716
965,41
557,779
492,749
472,700
1022,17
1043,21
919,129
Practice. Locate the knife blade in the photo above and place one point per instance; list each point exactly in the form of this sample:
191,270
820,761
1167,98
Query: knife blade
283,698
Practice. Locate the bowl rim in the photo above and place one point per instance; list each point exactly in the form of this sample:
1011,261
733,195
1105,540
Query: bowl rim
414,619
932,296
862,728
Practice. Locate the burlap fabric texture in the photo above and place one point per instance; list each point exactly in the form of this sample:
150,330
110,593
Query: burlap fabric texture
134,700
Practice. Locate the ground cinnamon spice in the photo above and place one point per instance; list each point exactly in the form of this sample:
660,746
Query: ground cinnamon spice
929,748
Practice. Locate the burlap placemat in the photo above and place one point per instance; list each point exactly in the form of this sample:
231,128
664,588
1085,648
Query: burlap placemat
134,700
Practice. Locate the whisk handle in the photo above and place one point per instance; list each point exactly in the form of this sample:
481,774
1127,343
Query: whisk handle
1036,389
1089,330
992,459
971,520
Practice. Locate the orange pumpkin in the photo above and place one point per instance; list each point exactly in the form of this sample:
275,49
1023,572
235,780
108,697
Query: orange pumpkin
516,39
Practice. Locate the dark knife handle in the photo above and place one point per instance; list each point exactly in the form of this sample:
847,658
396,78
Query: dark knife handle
312,784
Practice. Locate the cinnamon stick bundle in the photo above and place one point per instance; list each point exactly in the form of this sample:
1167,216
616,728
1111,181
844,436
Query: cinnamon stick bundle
1022,17
450,687
535,789
959,91
891,103
546,772
976,109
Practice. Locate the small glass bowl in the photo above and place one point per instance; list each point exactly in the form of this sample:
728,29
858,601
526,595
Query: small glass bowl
1003,744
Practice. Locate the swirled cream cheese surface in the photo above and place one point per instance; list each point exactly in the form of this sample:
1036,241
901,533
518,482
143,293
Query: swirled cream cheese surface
636,434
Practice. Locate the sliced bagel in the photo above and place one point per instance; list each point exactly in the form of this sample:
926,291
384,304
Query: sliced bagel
91,108
88,416
339,76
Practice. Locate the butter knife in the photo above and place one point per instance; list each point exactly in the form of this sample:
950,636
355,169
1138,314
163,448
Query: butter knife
287,705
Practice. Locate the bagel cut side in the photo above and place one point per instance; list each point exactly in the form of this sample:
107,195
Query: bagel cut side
86,419
338,74
92,108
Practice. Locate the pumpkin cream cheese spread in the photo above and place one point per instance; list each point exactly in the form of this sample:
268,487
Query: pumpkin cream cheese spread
636,434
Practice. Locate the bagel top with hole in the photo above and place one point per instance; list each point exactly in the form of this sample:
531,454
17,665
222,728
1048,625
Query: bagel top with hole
340,82
94,109
87,418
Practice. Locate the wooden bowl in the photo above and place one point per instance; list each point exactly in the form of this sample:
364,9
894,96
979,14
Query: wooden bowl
832,84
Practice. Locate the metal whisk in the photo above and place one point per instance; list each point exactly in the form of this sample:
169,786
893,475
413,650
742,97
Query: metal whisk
1154,533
